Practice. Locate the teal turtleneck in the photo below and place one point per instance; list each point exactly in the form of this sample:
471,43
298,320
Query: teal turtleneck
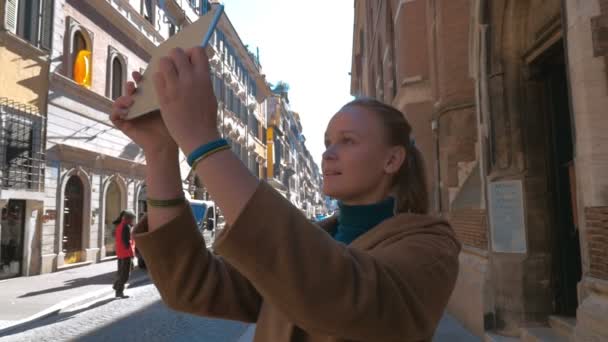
356,220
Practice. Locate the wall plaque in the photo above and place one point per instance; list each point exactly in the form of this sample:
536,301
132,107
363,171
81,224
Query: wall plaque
507,223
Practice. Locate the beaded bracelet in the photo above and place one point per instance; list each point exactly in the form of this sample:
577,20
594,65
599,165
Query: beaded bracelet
162,203
202,150
215,150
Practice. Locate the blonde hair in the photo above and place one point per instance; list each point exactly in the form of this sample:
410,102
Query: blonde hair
410,182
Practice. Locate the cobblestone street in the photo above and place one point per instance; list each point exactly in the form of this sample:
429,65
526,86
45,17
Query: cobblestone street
141,317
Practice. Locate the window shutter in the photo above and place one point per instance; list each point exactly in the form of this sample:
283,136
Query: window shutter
46,25
10,18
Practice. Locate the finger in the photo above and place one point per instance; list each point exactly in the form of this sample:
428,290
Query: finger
181,62
160,85
167,69
199,58
130,88
119,113
123,102
137,77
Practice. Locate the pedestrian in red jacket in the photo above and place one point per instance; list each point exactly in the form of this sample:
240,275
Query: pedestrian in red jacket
124,250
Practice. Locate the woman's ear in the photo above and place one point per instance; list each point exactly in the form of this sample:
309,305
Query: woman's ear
395,159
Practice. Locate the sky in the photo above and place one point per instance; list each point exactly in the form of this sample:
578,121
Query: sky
307,44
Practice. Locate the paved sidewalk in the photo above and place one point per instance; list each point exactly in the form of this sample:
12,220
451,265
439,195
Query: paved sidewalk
449,330
26,298
22,298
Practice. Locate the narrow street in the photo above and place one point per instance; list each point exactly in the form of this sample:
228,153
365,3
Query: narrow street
141,317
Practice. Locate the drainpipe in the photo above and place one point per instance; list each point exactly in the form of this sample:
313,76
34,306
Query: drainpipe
483,110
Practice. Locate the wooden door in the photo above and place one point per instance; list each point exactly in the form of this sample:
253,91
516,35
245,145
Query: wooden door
72,219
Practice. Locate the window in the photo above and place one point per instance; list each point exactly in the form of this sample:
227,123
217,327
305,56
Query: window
147,10
81,60
31,20
205,6
254,126
117,78
253,165
21,147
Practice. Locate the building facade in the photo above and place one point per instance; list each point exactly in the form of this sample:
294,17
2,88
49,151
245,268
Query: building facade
66,172
25,43
505,99
291,169
93,171
241,90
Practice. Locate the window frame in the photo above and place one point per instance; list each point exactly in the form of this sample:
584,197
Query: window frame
113,54
73,28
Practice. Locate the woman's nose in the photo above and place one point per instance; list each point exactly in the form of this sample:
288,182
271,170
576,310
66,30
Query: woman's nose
330,153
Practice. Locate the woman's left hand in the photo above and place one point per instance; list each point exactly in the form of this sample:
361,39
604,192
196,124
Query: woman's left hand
187,102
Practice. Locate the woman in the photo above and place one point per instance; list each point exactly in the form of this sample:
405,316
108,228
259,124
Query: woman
124,250
381,271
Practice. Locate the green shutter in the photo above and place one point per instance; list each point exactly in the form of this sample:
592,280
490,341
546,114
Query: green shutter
46,24
31,28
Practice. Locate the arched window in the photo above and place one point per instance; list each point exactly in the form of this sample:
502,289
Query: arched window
81,60
117,77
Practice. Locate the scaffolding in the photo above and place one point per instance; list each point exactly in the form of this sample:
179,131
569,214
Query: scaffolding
22,159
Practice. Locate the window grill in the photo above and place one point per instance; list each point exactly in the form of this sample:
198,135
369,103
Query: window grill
21,146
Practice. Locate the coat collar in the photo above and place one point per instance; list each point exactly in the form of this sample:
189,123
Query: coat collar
395,227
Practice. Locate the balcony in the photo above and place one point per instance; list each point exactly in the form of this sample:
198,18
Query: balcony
21,147
176,11
128,19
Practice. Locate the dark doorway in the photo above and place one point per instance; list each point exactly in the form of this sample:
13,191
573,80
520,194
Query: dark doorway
72,220
561,180
11,237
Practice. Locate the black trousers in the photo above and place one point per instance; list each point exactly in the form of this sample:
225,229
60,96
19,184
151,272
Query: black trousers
122,276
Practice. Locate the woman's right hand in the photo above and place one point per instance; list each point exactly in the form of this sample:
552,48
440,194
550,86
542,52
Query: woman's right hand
148,131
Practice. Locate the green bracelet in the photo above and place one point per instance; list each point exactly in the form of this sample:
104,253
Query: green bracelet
162,203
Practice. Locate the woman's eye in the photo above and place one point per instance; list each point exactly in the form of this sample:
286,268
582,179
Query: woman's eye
347,141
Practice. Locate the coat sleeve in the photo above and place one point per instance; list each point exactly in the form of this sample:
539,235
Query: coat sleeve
191,279
394,293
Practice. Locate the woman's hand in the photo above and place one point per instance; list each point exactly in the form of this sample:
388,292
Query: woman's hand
148,131
185,94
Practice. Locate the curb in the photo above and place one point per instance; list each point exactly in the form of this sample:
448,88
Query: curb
89,298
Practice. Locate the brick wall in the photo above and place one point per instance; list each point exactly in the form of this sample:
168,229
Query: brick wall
470,226
455,85
597,240
412,41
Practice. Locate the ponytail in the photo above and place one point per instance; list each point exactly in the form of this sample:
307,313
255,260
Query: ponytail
410,183
119,218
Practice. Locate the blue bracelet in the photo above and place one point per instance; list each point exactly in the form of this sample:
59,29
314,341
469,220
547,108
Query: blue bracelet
203,149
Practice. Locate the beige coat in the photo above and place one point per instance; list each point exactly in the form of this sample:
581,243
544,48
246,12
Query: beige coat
277,269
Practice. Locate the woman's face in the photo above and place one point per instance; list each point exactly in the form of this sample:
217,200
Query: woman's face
358,165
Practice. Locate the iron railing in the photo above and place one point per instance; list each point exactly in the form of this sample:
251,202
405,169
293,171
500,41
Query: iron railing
22,159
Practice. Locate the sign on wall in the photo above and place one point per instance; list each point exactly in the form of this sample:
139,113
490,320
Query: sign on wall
507,224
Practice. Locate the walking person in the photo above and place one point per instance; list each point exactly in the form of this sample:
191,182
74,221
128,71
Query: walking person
382,270
124,250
